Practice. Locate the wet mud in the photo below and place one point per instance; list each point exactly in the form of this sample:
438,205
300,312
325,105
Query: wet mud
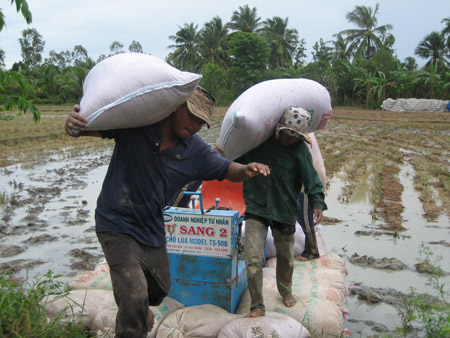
47,223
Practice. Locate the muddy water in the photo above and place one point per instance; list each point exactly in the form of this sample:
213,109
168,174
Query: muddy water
49,220
378,280
48,224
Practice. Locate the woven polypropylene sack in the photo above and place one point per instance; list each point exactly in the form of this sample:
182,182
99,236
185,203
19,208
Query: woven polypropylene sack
319,286
91,280
79,305
317,158
132,90
105,321
271,325
199,321
253,116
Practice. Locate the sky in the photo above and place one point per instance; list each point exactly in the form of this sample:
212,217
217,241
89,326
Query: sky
95,24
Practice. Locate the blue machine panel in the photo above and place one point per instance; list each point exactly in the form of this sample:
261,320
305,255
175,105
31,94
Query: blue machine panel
203,255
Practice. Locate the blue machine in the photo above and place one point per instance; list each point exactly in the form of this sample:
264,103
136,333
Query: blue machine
206,260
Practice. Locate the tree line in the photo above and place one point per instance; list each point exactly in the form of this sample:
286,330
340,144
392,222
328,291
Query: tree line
359,67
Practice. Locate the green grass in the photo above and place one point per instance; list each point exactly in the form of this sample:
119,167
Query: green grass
23,314
430,312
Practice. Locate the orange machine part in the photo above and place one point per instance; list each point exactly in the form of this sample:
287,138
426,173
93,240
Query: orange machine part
229,193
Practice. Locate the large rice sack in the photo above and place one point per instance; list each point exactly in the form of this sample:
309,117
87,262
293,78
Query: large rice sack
252,117
200,321
307,282
102,266
79,305
320,291
91,280
317,159
133,89
271,325
104,323
329,261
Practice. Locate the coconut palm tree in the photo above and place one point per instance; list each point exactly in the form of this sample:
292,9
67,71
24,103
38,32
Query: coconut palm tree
245,20
446,30
282,40
365,40
212,44
48,80
2,58
433,48
340,50
410,64
186,55
73,78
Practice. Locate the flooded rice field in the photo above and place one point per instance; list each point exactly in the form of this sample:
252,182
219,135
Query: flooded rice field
47,217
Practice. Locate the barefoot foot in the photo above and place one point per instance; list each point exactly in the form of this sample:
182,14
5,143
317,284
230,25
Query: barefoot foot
289,300
151,320
301,258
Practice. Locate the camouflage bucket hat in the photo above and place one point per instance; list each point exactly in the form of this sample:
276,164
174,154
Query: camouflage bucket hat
294,122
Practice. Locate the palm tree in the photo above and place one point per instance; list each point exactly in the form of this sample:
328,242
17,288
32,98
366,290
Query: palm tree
367,39
340,50
73,78
282,40
211,44
2,58
446,30
245,20
186,54
49,80
410,64
434,49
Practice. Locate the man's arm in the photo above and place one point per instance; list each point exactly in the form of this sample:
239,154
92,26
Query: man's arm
76,125
237,172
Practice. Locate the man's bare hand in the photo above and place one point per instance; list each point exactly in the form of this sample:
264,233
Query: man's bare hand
254,169
318,214
240,172
75,123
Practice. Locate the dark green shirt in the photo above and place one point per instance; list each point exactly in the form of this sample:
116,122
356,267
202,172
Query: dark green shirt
276,196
